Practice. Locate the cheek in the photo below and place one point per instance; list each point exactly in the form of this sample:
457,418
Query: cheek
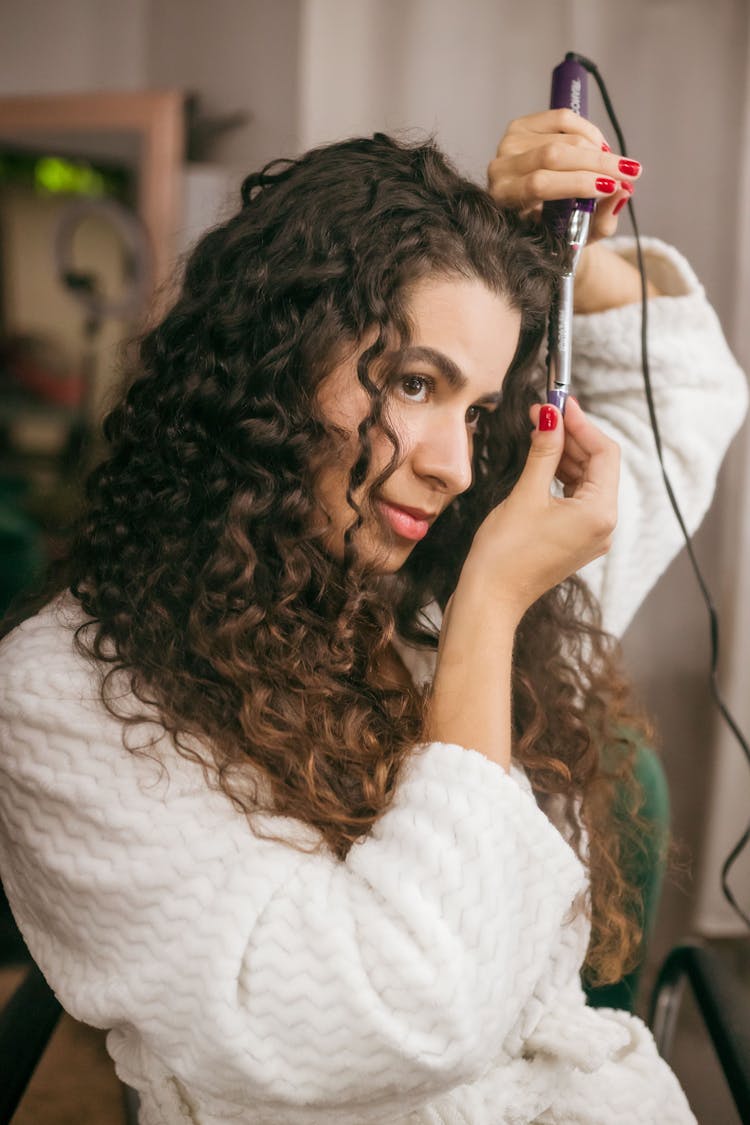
405,426
381,452
333,474
332,478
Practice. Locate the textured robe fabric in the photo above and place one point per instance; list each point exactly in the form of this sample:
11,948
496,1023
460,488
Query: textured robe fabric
432,977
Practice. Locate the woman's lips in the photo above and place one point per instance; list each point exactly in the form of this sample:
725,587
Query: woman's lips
405,522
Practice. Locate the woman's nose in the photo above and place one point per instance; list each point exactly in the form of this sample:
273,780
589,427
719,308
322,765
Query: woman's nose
444,454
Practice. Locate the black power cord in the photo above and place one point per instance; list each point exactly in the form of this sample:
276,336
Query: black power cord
712,614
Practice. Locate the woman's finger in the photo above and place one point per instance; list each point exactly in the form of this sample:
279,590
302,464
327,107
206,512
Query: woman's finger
525,181
557,121
570,471
572,464
544,453
516,144
606,216
558,154
532,167
543,185
573,451
602,469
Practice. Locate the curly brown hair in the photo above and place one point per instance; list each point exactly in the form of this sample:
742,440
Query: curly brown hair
200,564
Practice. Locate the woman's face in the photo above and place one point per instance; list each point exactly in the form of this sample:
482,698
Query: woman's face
463,340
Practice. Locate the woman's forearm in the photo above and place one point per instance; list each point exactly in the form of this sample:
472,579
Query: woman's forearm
471,697
604,280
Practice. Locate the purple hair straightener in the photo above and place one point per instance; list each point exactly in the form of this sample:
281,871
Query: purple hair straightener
570,218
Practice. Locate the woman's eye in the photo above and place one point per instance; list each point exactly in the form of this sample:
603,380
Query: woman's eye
420,388
473,414
417,388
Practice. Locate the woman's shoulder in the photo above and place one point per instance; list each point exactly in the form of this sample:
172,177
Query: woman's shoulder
52,707
40,657
56,732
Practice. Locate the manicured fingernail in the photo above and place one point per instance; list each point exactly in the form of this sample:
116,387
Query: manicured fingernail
605,147
547,418
619,206
629,167
606,185
627,187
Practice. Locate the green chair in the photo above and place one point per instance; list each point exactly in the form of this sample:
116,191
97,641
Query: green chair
648,876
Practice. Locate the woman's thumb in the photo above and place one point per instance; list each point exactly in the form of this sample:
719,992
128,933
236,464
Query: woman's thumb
547,441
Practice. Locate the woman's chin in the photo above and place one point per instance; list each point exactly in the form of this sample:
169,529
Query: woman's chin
385,554
380,551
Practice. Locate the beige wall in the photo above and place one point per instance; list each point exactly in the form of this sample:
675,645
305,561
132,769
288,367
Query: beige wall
238,55
48,47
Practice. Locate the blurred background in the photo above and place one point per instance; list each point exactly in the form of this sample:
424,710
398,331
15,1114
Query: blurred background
125,129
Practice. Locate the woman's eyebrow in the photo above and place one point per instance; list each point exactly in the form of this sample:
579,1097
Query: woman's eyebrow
452,372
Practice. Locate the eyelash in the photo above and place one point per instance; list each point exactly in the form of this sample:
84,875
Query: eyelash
430,385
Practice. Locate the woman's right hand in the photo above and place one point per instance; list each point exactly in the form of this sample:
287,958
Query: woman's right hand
533,540
526,545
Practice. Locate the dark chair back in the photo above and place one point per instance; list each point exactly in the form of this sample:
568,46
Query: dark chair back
26,1024
722,999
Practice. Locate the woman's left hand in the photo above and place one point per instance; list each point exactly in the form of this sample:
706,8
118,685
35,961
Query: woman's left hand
557,154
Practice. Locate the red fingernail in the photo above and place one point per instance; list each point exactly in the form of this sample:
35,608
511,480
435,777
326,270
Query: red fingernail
629,167
627,187
606,185
619,206
547,418
605,147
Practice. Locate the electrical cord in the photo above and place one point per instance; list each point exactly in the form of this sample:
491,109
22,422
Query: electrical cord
712,614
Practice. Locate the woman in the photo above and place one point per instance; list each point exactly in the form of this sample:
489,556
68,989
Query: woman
234,830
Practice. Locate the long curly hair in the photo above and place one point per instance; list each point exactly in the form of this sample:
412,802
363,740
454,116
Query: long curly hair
200,563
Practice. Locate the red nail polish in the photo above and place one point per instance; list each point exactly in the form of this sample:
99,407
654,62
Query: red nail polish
619,206
605,185
605,147
627,187
629,167
547,418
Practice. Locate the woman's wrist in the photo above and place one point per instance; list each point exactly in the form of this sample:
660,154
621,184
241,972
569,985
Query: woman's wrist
482,596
